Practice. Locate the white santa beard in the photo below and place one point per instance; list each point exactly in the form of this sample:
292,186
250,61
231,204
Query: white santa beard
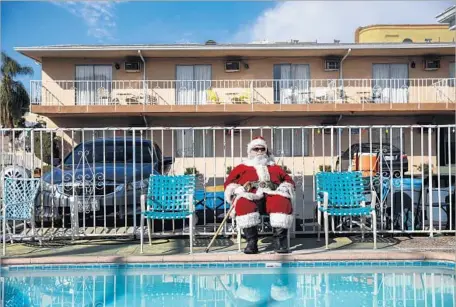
259,159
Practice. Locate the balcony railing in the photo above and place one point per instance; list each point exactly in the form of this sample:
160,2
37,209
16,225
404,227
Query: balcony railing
213,92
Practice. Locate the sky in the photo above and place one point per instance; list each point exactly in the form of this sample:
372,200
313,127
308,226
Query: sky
32,23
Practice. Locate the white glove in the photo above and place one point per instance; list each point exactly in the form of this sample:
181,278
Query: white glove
239,190
282,189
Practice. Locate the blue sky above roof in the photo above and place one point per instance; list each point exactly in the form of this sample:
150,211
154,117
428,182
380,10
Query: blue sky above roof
92,22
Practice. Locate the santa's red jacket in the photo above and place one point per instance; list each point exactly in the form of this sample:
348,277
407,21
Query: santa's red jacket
258,174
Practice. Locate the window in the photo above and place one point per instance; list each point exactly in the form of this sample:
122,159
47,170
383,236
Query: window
193,143
390,83
114,152
192,81
290,142
93,84
291,83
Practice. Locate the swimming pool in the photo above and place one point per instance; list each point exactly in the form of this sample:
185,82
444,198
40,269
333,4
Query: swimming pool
362,283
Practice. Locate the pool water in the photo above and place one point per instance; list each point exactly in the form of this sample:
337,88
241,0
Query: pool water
326,284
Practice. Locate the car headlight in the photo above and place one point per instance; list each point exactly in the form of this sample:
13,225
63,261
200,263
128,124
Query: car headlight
141,184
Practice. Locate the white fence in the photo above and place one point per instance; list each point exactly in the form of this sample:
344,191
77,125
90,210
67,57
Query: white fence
264,91
94,186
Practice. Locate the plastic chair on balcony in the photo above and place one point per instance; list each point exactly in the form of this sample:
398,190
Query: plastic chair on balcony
342,194
169,198
211,96
18,203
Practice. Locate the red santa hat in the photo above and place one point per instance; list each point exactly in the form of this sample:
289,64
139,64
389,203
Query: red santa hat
258,141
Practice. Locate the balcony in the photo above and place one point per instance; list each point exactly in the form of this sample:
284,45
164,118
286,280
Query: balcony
158,96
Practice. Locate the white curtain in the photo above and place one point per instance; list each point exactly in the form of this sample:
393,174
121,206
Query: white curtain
84,84
185,91
103,83
390,83
380,84
93,84
399,86
202,77
286,91
197,142
301,80
452,75
289,142
192,81
294,83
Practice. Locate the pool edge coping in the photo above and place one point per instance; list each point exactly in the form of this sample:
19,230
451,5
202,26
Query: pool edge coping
239,257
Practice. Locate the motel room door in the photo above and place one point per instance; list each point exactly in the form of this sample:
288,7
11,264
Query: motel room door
390,83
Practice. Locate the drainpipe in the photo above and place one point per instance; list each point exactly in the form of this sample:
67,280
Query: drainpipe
341,75
144,75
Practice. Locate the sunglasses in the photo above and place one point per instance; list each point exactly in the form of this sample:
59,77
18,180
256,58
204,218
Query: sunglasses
259,149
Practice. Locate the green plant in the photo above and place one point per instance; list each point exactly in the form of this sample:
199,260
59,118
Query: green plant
229,169
14,99
325,168
286,169
44,142
191,171
423,168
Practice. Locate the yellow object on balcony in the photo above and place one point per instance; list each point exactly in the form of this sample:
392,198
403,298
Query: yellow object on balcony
211,96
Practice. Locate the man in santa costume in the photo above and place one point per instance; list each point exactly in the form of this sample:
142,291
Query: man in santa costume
256,181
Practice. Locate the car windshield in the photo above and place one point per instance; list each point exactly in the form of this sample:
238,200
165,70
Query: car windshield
111,152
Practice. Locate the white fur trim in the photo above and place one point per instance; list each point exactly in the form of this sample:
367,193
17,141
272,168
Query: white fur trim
229,191
285,189
281,293
248,220
248,294
256,142
262,172
251,162
281,220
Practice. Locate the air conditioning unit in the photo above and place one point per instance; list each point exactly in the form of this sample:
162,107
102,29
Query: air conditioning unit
232,66
132,66
431,64
332,64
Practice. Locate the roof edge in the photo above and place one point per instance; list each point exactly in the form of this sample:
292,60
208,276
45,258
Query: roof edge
238,47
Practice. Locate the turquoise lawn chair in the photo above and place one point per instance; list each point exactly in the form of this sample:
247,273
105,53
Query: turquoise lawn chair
18,203
169,198
342,194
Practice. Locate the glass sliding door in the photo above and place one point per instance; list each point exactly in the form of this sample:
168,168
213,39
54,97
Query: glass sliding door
93,84
291,83
192,81
390,83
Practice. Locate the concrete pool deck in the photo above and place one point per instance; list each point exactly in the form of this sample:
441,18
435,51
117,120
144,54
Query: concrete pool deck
225,249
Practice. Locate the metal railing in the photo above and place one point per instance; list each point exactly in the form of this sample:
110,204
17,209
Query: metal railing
252,92
92,179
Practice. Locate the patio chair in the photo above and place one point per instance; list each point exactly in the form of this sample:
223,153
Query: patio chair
342,194
169,198
18,203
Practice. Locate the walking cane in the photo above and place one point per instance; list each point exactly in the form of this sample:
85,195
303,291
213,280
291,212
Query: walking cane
224,220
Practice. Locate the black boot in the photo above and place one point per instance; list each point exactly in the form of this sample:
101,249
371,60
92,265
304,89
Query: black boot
281,242
251,234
